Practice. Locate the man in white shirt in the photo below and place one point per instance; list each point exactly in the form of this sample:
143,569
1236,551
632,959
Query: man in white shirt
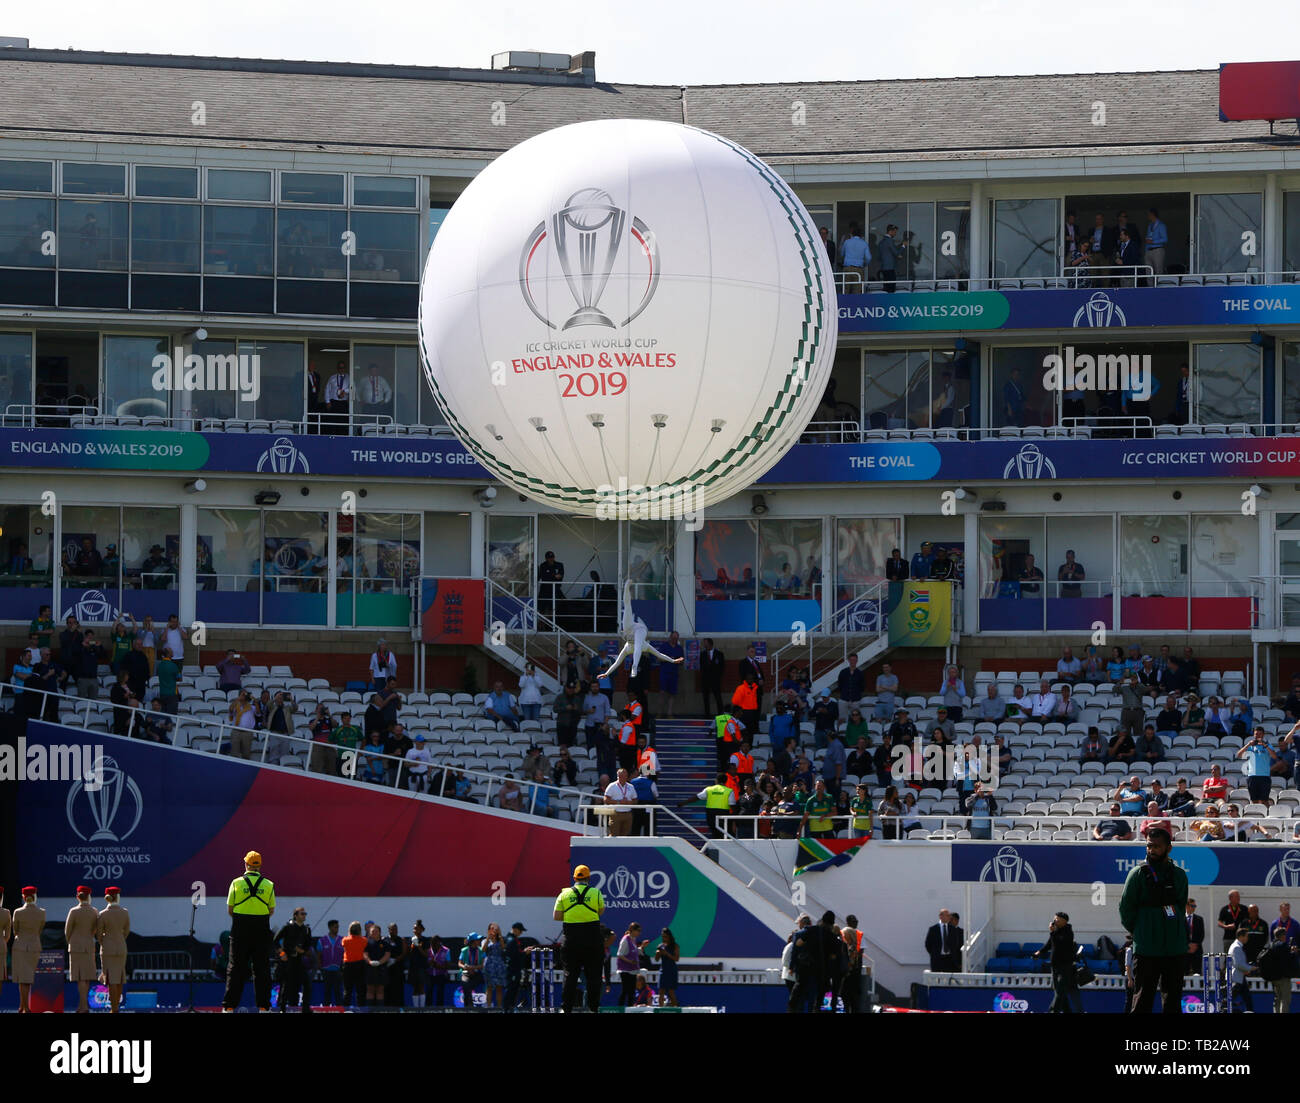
375,393
620,791
417,774
1019,707
383,665
338,393
174,637
1043,702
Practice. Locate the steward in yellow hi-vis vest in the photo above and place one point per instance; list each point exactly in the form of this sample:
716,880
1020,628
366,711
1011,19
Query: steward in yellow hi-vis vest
251,903
579,908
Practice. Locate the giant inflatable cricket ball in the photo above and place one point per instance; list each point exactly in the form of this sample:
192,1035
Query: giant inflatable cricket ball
626,313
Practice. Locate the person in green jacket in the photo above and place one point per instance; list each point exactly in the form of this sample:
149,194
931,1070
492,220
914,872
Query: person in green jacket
1153,910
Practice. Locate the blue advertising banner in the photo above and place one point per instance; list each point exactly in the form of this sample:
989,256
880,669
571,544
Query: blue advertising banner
1237,864
1073,308
251,453
1040,460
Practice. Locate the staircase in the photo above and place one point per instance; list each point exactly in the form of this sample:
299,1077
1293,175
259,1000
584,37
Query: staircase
688,761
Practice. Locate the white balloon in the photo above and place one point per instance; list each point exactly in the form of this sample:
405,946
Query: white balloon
628,318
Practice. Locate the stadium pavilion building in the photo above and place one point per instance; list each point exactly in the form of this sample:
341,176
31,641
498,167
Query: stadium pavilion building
150,204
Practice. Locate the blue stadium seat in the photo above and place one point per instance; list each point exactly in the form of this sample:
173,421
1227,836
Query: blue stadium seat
1000,965
1009,949
1032,948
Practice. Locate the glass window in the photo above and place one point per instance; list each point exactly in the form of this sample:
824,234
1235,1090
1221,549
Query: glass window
1224,554
295,566
448,555
1226,382
1017,396
1291,231
24,224
1228,232
1025,237
239,185
437,212
93,235
15,373
26,562
378,563
166,183
913,239
1289,356
952,236
1089,573
311,187
238,241
227,557
91,561
387,246
164,237
94,179
897,389
510,555
280,370
150,551
430,412
216,403
408,381
949,397
311,244
383,191
128,376
790,556
372,381
724,561
862,546
1153,556
27,176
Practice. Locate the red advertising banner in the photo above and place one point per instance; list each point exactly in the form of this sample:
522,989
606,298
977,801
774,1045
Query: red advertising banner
1259,90
452,610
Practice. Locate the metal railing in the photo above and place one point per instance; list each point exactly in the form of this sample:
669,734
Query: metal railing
328,759
849,630
1103,275
30,415
945,827
1117,275
600,812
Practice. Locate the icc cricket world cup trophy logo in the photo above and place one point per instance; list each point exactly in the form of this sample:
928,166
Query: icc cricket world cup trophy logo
586,235
104,803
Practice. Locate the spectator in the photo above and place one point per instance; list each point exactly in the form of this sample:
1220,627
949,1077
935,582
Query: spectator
1231,916
1019,707
1209,828
902,730
1132,712
279,723
396,744
1115,665
909,820
1173,678
370,763
1157,793
530,693
148,637
1042,703
942,569
1093,750
1154,819
1288,927
1030,579
500,706
54,680
262,708
69,641
647,794
565,771
1121,747
86,666
346,736
943,724
1291,706
1157,237
324,757
569,711
231,670
383,665
621,792
1114,827
1255,929
861,760
852,687
825,716
1094,666
922,560
1170,719
833,764
173,636
896,569
1068,668
1236,829
981,806
886,693
1215,787
156,725
1182,801
1131,796
1148,675
991,707
243,719
855,256
1066,708
169,673
1005,757
1260,758
1194,719
953,691
417,772
883,760
781,726
374,719
1070,576
1240,717
1150,747
120,641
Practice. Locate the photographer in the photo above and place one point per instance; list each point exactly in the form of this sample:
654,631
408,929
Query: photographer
293,943
231,670
1153,910
278,723
1060,946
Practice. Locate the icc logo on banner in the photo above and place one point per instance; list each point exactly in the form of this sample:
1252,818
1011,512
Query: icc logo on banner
283,458
1100,311
101,810
94,608
576,233
1029,463
1287,872
1007,866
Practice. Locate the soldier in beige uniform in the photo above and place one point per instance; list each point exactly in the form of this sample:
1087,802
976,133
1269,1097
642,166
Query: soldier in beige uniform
28,923
114,926
80,929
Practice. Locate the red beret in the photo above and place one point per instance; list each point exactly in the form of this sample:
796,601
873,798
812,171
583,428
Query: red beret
29,889
112,890
83,890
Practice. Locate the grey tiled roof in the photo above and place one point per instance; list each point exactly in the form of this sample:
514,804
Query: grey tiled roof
149,101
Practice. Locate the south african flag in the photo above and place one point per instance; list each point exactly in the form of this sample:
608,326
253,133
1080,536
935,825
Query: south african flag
818,854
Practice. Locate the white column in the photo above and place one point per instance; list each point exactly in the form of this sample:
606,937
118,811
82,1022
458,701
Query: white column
331,588
187,568
971,591
684,575
1268,600
1270,249
478,543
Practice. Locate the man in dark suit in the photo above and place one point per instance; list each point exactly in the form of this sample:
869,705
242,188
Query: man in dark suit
1126,255
1195,937
750,665
896,567
941,942
712,662
958,940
